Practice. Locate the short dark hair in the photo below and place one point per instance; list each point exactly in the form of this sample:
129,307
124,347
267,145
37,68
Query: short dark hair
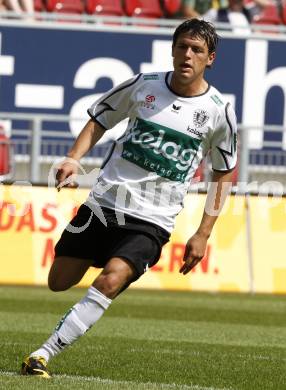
198,28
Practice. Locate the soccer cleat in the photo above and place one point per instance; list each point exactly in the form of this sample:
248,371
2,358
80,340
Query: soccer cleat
35,365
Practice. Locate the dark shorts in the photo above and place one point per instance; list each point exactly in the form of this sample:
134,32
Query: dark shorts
87,237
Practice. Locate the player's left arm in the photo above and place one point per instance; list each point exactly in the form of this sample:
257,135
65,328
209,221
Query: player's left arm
223,156
196,245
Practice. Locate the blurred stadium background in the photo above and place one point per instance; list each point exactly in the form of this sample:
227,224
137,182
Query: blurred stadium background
53,64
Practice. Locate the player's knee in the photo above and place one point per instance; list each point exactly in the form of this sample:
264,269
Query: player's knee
110,284
57,285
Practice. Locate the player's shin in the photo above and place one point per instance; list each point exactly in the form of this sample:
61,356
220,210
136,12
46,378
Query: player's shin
75,323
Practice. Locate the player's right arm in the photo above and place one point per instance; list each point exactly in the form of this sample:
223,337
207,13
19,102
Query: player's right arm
105,113
88,137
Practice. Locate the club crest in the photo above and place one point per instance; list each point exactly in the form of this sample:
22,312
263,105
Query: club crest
200,118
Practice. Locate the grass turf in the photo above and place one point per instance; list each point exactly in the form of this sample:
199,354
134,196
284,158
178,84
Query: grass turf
150,340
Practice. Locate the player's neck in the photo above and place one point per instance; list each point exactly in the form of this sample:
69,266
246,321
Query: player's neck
194,88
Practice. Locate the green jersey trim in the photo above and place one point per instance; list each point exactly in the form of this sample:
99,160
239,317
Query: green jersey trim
151,77
217,100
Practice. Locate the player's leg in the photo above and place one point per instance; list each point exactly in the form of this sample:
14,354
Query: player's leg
72,259
116,275
66,272
141,250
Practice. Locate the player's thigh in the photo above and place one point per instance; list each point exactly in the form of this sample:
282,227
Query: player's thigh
67,271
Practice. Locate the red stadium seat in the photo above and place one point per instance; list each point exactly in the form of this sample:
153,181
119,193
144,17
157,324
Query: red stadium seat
39,5
143,8
284,13
269,15
5,156
104,7
171,6
65,6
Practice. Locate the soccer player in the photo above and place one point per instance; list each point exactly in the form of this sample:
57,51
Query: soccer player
175,120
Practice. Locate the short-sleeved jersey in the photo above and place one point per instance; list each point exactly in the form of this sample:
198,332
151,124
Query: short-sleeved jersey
148,170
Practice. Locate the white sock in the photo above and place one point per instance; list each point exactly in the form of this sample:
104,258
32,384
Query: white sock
75,323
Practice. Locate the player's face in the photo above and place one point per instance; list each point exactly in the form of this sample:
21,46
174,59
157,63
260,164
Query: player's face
190,58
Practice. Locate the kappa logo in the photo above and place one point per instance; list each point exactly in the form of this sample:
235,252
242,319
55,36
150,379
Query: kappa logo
200,118
176,109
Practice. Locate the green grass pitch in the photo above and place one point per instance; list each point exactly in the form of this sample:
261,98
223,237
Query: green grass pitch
150,340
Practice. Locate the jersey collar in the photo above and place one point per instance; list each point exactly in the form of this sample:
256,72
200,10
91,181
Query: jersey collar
168,84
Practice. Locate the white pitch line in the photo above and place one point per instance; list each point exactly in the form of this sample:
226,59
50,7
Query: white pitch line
198,353
169,352
129,383
132,383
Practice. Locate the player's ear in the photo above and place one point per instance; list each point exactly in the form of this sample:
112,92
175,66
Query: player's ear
211,59
173,50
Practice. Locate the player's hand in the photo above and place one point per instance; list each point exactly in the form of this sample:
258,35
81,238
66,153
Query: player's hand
194,252
66,174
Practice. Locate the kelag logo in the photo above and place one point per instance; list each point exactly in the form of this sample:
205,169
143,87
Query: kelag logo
160,149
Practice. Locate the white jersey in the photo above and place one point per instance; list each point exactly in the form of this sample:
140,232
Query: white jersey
148,170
